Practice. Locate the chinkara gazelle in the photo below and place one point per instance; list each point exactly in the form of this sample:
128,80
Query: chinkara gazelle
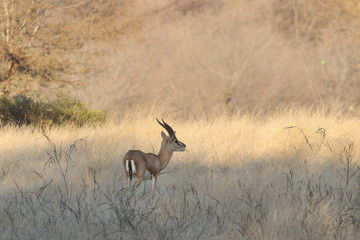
147,166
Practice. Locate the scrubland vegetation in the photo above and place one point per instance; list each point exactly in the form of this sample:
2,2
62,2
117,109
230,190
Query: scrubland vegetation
241,177
263,93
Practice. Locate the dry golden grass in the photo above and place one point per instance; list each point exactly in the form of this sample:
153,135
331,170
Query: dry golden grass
242,176
228,76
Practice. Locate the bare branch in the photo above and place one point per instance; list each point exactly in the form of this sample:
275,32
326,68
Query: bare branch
7,30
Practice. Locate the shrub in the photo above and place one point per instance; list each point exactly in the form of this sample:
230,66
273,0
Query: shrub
22,110
40,39
320,19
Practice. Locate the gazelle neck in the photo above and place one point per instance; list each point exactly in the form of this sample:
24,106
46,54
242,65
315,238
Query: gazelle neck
164,156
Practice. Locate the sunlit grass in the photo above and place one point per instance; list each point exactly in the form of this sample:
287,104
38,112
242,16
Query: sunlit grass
241,176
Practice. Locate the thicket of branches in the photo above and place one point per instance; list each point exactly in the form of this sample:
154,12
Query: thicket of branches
72,42
320,19
39,38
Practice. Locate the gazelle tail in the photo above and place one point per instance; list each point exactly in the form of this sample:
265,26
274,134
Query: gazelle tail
130,168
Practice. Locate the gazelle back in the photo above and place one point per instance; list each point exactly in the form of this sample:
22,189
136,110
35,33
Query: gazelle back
146,166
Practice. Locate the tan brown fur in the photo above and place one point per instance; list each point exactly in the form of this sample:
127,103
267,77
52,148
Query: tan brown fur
150,162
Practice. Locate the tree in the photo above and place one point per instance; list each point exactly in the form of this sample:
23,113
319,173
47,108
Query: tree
37,37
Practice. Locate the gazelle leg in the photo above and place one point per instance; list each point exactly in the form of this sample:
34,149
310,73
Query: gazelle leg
154,182
138,181
128,181
154,178
144,186
129,184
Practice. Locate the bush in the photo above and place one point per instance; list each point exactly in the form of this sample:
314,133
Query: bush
320,19
40,39
22,110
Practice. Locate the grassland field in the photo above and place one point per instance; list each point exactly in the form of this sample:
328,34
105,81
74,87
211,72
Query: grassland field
241,177
264,93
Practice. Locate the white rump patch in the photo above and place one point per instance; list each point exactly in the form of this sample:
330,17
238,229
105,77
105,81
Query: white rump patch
133,169
133,166
127,165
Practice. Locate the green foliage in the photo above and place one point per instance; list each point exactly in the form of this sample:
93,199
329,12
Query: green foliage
22,110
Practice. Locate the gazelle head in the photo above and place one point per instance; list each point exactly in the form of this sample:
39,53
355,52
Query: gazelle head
171,142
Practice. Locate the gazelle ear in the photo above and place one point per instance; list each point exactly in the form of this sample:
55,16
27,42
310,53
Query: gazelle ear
163,135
